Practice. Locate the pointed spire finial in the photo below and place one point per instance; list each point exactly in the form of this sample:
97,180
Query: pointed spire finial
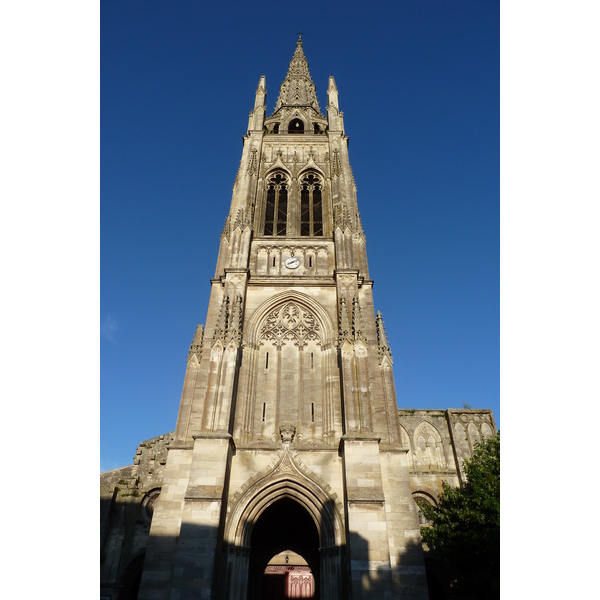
196,345
382,340
298,89
357,327
223,322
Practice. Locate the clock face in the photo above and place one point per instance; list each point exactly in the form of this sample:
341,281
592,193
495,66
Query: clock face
292,263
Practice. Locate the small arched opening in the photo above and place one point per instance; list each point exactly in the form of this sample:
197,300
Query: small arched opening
421,500
296,126
288,575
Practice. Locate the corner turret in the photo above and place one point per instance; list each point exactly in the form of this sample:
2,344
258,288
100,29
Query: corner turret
257,116
334,116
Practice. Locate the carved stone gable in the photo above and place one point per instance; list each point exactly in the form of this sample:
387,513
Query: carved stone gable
290,322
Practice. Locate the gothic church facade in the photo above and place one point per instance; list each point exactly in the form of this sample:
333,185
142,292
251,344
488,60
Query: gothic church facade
291,471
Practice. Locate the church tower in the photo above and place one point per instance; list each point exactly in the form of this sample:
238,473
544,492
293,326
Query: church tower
287,475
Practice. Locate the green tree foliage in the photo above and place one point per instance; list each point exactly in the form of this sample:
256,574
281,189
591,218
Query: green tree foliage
464,529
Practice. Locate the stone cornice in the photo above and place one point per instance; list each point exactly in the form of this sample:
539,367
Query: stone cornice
181,446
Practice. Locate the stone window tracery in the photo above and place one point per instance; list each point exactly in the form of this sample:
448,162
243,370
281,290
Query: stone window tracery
276,205
429,451
311,207
290,322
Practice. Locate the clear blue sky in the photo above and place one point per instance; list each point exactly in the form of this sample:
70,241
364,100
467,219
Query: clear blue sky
419,85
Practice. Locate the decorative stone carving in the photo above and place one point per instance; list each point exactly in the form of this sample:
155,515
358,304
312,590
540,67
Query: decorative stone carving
252,168
350,329
336,164
382,340
229,324
486,431
290,322
196,345
429,450
221,329
344,322
357,327
287,432
347,286
358,229
474,435
244,218
226,233
341,218
234,332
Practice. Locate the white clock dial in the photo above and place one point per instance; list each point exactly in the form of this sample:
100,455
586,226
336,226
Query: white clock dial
292,263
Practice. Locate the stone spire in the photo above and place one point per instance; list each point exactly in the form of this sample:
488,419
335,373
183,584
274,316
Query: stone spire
298,88
382,340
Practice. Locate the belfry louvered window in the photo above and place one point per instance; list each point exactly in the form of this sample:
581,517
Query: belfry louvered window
276,205
311,212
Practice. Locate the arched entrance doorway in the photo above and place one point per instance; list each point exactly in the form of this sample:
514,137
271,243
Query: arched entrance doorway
285,525
284,509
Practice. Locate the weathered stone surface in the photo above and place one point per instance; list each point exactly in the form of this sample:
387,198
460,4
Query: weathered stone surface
288,435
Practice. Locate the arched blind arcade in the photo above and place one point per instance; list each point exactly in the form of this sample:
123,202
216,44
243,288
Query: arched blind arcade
311,211
276,205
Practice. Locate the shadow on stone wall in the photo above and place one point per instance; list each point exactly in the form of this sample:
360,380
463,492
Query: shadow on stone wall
339,572
406,574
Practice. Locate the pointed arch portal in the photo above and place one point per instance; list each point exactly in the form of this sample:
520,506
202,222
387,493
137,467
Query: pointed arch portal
283,525
285,510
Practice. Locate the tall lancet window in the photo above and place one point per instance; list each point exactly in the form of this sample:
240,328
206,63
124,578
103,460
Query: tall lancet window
311,212
276,206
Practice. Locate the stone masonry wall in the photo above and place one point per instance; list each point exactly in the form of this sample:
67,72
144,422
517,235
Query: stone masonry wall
437,442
